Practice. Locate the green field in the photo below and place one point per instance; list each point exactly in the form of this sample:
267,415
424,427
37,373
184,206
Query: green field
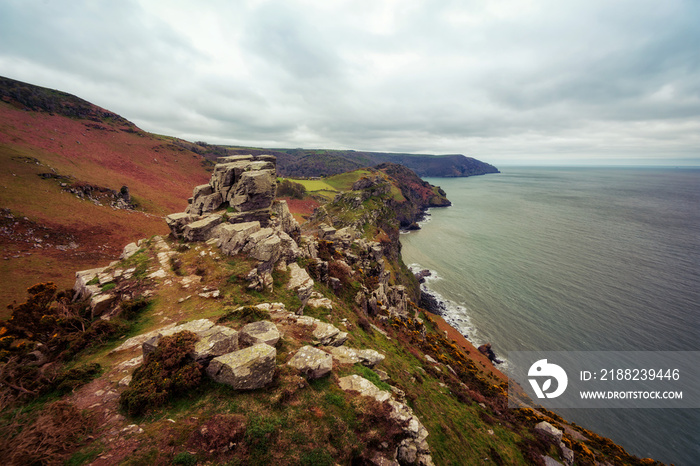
330,186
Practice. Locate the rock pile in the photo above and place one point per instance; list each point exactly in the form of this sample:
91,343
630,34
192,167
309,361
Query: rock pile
238,212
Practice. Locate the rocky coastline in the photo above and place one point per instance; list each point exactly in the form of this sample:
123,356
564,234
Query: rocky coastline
294,346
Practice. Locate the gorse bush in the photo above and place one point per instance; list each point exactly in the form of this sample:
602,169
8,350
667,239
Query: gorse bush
169,371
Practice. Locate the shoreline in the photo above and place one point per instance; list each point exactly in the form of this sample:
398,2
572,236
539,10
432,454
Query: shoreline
456,336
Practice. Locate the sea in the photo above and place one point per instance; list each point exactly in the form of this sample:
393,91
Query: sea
575,259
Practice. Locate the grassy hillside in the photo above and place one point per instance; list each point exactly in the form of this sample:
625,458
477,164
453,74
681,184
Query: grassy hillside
47,232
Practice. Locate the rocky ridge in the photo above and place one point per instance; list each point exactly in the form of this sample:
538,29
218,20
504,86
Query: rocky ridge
346,313
237,214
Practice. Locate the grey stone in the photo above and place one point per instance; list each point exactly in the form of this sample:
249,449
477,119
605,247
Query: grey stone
312,362
199,230
151,344
204,200
327,232
550,430
267,250
245,369
263,331
100,303
300,281
407,453
326,333
286,220
549,461
567,454
81,287
254,190
345,355
380,460
234,236
216,341
369,357
178,222
129,250
364,387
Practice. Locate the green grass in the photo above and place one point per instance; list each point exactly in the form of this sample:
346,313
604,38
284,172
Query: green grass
344,181
314,185
85,455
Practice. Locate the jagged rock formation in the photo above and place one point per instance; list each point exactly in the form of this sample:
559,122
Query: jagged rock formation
236,212
245,183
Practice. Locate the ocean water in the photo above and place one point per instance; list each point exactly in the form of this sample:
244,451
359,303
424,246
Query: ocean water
575,259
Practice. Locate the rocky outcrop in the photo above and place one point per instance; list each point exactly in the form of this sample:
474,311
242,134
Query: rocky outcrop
253,223
245,183
556,435
413,449
366,357
285,219
200,230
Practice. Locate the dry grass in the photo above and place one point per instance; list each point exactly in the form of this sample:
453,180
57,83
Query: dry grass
58,431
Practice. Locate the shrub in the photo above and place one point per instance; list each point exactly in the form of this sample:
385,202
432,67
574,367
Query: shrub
73,378
287,188
246,315
167,372
99,332
185,458
133,307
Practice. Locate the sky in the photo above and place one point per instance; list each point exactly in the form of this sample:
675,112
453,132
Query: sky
573,82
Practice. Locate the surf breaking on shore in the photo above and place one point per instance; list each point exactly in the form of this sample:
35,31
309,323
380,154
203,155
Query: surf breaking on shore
456,315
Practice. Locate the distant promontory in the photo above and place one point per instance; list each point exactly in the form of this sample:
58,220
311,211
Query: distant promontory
297,163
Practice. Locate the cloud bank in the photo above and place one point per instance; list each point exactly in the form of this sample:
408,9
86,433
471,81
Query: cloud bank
508,82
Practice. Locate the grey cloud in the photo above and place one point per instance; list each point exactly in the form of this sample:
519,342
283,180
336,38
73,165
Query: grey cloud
544,79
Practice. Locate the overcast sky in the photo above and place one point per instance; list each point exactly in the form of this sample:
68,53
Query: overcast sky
507,82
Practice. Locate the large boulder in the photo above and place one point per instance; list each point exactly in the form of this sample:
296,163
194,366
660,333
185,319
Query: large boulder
255,190
329,334
312,362
214,342
234,236
204,200
364,387
101,303
201,229
548,429
262,332
178,222
264,246
247,369
81,287
300,281
367,357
